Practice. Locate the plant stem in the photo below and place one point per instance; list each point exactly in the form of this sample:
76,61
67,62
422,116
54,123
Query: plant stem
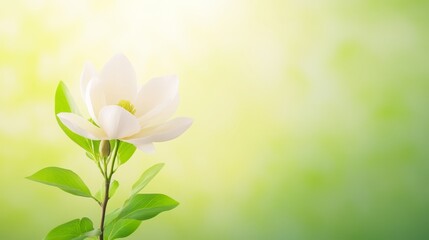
108,179
103,207
114,159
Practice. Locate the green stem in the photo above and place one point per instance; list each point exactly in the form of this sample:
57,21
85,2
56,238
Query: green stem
99,167
103,208
114,158
108,179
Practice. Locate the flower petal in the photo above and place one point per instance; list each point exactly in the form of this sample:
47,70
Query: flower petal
118,122
147,148
144,147
87,74
94,98
160,113
118,80
81,126
156,92
164,132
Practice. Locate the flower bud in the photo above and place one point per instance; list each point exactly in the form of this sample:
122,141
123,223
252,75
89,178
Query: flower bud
104,148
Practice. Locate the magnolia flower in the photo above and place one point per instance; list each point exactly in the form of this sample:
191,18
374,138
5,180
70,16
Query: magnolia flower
121,111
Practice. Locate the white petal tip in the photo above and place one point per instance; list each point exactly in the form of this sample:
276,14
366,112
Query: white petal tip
81,126
186,122
147,148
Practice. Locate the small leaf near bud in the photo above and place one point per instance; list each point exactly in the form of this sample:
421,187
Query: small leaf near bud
104,148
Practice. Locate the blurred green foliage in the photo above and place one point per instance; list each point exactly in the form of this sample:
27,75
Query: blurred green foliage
311,118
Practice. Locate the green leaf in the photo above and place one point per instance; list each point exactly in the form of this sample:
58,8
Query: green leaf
121,228
89,155
113,187
111,217
94,154
62,178
146,177
78,229
122,222
99,195
126,150
146,206
64,103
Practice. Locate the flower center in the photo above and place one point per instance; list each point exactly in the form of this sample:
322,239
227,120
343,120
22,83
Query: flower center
125,104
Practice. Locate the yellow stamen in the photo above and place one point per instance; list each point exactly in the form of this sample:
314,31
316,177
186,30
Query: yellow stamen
125,104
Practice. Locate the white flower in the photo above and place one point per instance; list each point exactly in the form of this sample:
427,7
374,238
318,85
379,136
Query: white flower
122,112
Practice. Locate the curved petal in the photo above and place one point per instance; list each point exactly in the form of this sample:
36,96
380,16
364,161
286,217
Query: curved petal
118,122
118,79
156,92
144,147
164,132
148,148
160,114
81,126
94,98
87,74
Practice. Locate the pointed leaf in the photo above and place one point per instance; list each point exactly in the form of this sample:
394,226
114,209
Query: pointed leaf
94,154
64,103
146,206
113,187
126,150
62,178
99,195
146,177
121,228
78,229
89,155
111,217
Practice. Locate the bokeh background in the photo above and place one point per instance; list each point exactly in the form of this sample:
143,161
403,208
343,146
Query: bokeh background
311,118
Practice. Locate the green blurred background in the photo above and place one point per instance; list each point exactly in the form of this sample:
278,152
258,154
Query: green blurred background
311,118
